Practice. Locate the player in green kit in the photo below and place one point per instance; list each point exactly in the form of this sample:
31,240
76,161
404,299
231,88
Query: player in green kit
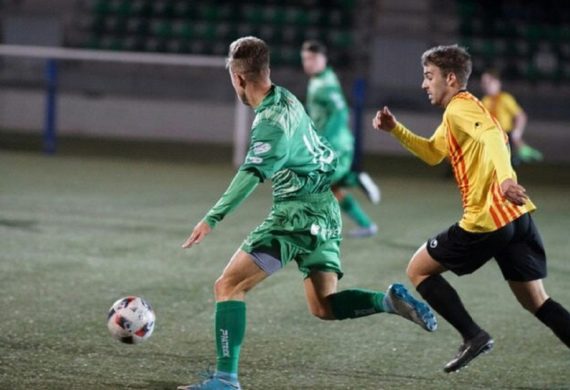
304,223
328,109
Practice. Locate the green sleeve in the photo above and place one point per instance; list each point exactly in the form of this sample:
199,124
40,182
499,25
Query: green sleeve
337,114
240,188
267,151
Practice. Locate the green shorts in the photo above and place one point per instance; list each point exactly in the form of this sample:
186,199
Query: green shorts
306,229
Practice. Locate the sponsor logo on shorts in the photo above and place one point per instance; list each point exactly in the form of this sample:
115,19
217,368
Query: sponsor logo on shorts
315,229
433,243
254,160
325,233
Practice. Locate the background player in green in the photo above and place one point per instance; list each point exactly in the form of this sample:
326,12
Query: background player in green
304,223
328,109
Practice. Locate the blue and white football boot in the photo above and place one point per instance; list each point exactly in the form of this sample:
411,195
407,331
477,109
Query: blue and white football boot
399,301
215,381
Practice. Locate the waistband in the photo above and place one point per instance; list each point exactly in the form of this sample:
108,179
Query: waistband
312,198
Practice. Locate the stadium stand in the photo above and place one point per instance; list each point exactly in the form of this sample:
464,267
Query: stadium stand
524,40
198,27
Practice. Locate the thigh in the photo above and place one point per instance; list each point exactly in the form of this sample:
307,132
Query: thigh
240,275
318,286
422,265
324,258
524,259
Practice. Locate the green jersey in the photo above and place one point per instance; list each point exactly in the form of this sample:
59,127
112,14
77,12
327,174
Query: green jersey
286,149
328,109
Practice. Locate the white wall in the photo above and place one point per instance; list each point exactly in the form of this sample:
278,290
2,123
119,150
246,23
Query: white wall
120,117
194,121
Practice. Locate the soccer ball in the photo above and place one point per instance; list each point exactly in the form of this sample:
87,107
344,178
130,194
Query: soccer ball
131,320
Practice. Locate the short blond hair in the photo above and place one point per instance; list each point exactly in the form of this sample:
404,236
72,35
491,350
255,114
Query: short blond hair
249,56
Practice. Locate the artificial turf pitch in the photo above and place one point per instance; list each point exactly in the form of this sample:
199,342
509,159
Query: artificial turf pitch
79,232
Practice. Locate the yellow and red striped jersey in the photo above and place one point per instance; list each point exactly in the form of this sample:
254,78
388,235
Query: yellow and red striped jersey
476,146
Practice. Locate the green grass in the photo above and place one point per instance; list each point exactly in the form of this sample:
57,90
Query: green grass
77,233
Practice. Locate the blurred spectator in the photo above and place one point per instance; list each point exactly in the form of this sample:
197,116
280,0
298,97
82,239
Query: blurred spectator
512,118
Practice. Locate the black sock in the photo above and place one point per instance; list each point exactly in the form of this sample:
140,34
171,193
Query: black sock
444,299
557,318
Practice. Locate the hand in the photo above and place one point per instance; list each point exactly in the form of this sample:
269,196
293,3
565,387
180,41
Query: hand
201,230
513,192
384,120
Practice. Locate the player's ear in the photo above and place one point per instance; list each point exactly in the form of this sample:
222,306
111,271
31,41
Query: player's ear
240,80
451,78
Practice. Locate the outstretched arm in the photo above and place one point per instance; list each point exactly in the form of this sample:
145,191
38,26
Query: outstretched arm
432,150
239,189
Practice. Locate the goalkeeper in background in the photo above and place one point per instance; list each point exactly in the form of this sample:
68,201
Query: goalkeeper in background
503,106
327,107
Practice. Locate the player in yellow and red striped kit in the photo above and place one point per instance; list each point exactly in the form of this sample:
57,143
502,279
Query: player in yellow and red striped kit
496,221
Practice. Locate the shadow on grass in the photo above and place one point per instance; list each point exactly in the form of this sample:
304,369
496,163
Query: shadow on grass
22,224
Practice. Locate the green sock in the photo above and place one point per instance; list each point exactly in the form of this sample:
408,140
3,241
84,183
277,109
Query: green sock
356,303
230,330
350,180
350,206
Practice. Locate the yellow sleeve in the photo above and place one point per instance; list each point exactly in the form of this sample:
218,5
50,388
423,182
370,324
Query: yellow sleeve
431,150
496,150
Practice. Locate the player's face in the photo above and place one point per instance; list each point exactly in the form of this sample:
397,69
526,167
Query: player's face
239,87
313,63
436,86
490,84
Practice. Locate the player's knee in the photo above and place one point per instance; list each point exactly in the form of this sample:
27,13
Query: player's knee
226,288
321,312
528,306
223,289
218,288
413,274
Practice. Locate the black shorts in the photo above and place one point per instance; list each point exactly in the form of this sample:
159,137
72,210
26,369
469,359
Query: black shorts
517,248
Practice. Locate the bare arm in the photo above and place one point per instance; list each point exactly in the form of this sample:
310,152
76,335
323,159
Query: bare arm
239,189
518,128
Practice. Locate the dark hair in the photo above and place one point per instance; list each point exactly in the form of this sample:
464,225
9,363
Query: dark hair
450,59
249,56
493,73
314,47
